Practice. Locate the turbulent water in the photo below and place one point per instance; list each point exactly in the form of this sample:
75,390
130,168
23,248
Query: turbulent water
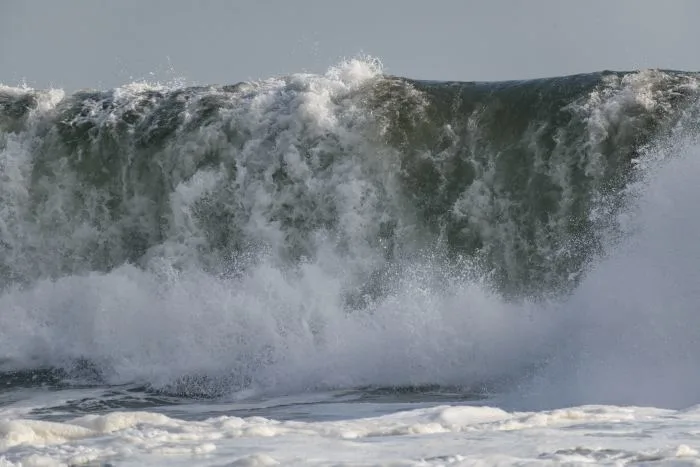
359,243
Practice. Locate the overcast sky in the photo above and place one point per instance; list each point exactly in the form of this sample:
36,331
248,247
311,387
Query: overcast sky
99,43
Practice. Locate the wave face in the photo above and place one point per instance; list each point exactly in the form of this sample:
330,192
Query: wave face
306,231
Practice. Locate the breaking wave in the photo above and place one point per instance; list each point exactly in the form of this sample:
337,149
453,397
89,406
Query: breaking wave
340,230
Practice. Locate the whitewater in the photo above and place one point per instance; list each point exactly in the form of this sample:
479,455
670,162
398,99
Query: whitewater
352,268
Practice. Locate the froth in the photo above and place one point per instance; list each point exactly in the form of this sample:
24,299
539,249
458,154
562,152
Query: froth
270,329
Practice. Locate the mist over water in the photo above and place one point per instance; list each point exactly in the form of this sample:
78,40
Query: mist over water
635,313
354,229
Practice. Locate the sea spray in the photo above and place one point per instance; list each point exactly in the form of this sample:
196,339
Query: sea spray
341,230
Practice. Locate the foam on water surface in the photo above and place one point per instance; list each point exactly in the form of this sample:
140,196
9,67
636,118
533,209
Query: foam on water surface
443,435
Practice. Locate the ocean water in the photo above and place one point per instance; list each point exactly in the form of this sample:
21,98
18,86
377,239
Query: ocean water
352,269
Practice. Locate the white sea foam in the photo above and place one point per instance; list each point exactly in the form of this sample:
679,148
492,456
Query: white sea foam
444,435
276,331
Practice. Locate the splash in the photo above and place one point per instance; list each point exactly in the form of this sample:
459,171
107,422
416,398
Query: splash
327,231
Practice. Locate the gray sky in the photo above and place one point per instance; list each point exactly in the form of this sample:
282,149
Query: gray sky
98,43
